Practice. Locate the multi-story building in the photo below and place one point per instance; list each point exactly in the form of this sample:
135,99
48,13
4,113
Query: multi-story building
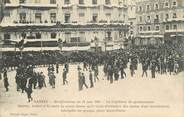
77,22
132,21
158,21
1,11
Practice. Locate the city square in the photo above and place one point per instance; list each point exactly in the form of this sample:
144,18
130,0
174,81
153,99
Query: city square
113,57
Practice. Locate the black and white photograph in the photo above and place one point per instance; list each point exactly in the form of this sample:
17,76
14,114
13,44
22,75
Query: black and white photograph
91,58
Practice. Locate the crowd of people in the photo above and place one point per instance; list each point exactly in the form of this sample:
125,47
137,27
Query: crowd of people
158,61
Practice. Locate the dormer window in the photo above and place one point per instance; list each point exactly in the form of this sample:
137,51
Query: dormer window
67,2
107,2
94,2
52,1
140,8
148,7
6,1
81,1
22,1
166,4
156,6
174,15
174,3
149,28
140,28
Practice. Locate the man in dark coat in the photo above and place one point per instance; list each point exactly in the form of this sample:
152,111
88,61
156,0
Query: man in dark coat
57,67
65,76
80,82
122,71
6,83
23,83
144,69
91,79
84,81
116,73
29,92
132,69
18,80
153,68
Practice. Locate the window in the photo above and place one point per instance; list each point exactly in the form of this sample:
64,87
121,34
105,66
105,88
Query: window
166,16
156,6
81,14
81,17
94,2
81,1
38,17
22,1
6,1
174,3
67,2
140,28
149,28
67,36
140,18
166,4
82,36
174,27
131,32
131,23
37,1
107,2
140,8
120,3
38,36
131,8
109,38
157,28
108,16
95,18
174,15
167,27
53,35
22,17
148,18
6,13
67,18
53,17
52,1
6,36
156,18
148,7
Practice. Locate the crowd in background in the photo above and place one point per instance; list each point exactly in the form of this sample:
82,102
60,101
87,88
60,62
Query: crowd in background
160,60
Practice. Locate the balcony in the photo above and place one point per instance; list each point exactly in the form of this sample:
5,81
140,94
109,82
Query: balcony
11,5
29,23
39,6
175,30
149,32
156,21
174,19
67,6
108,39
